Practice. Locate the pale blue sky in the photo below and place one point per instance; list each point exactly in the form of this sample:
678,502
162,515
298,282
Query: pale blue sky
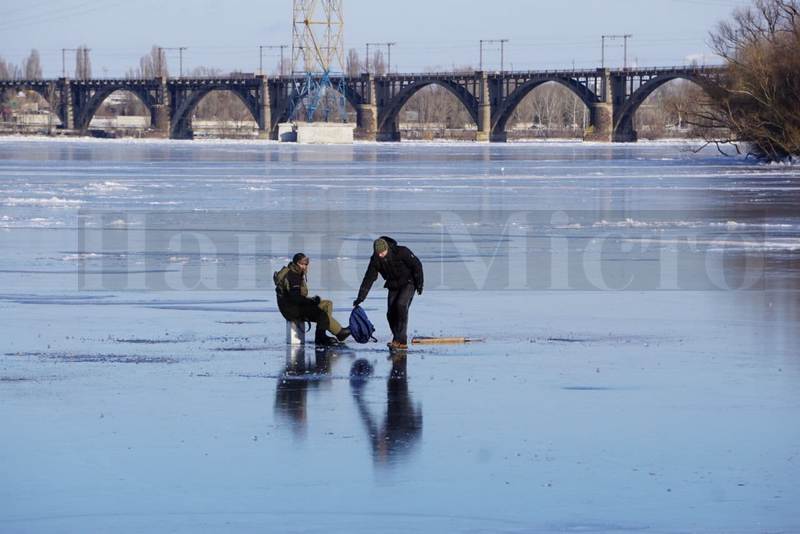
429,33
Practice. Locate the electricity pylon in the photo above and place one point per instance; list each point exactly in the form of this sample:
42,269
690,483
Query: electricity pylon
318,53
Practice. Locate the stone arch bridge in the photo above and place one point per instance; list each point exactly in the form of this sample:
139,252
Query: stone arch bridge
612,96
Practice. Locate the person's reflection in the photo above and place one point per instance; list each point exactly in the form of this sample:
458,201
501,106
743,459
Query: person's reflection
402,426
293,385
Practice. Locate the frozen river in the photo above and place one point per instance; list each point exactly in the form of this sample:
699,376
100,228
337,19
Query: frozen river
639,307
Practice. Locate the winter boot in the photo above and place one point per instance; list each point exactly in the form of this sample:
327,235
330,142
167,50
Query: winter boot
343,334
321,339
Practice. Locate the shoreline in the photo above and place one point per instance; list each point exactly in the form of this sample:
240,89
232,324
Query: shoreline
436,142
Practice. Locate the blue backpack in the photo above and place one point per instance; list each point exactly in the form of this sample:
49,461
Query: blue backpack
361,328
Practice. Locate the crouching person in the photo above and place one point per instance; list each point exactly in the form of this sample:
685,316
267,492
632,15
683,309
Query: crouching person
295,305
403,273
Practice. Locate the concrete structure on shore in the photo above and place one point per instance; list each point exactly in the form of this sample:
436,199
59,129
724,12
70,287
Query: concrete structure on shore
612,96
316,133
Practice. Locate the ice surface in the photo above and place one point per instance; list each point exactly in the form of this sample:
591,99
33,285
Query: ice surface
133,408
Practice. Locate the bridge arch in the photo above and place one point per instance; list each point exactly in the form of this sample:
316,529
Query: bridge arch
86,113
624,116
185,108
391,110
506,110
48,91
40,89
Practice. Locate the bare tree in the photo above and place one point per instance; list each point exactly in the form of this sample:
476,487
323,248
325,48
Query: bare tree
83,64
32,66
550,109
283,68
6,70
152,65
353,63
378,65
6,73
758,100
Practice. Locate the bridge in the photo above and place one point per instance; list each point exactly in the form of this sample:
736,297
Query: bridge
612,97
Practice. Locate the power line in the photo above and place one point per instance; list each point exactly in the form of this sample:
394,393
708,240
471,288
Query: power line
625,38
261,49
502,43
389,48
180,50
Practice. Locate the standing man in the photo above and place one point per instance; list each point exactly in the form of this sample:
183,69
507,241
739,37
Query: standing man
402,271
294,304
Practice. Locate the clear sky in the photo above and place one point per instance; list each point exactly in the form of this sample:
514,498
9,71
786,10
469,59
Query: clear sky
429,33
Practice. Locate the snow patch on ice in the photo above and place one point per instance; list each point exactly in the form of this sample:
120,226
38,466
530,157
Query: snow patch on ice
106,187
734,225
633,223
55,202
83,256
727,245
7,222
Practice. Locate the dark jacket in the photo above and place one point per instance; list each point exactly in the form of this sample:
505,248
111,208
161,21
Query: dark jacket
292,292
398,268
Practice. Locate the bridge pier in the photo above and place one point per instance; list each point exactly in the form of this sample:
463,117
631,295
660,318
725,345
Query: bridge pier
264,109
161,113
601,120
601,113
625,131
484,134
367,111
390,131
366,122
159,118
499,137
67,103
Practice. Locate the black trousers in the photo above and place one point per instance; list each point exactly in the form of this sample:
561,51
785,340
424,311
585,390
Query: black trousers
397,311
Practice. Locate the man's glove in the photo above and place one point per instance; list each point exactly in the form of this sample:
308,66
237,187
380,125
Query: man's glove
357,303
419,290
317,300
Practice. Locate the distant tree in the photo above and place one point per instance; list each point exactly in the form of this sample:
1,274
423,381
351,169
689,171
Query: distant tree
665,113
5,74
353,66
83,64
283,68
152,65
758,101
378,65
6,70
550,107
32,67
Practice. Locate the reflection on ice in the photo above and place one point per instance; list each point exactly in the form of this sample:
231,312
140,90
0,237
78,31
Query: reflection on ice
394,435
298,376
392,431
